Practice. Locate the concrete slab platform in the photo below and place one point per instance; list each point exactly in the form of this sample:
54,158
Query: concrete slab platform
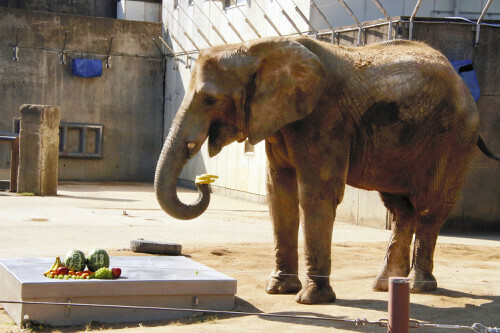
176,282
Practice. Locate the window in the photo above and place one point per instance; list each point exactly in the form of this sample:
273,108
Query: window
229,3
190,2
176,4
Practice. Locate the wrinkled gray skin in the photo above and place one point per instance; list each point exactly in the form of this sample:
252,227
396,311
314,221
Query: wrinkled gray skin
392,117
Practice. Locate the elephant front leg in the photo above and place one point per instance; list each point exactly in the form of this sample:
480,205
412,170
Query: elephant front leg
284,209
317,225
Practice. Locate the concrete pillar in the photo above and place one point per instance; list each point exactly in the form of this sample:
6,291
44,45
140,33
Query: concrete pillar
38,149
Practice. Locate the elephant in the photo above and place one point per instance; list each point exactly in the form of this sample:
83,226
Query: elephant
392,117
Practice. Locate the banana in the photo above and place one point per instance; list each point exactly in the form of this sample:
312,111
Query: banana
205,179
206,176
55,266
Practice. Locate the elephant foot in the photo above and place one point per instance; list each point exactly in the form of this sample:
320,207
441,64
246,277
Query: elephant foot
422,282
314,293
381,282
283,284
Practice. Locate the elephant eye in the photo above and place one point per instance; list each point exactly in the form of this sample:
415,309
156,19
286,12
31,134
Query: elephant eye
209,100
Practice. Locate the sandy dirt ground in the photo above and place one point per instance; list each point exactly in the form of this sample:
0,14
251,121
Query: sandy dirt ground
239,243
469,292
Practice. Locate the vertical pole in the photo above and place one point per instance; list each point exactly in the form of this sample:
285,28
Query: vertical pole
415,10
399,305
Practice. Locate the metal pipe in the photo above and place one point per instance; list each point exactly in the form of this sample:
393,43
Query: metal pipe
15,48
415,10
108,55
213,26
315,6
478,24
268,19
166,45
62,57
357,28
197,28
379,5
283,11
351,14
179,43
229,22
399,305
247,20
192,41
185,33
349,11
301,14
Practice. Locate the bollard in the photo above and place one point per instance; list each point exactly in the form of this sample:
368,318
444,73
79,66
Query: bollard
399,305
38,149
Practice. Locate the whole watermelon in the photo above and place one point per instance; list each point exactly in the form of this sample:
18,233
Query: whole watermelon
75,260
97,258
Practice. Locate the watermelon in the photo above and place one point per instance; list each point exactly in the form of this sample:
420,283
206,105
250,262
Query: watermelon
75,260
97,258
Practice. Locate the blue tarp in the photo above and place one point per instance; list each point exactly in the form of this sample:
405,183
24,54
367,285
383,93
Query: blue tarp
87,67
468,74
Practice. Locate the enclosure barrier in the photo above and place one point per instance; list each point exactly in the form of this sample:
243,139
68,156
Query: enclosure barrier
398,312
313,32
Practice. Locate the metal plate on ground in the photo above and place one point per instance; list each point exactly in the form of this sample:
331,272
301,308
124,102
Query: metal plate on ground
173,282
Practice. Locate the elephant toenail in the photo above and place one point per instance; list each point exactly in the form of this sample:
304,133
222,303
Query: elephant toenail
191,145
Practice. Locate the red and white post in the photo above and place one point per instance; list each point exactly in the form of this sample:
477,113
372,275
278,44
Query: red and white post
399,305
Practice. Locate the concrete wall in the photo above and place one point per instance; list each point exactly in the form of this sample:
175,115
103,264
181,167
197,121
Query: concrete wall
478,208
102,8
127,99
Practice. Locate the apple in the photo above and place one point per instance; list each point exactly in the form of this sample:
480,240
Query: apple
62,270
116,272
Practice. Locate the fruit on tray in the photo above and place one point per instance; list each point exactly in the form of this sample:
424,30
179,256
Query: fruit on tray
116,272
63,270
103,273
54,267
74,265
75,260
97,258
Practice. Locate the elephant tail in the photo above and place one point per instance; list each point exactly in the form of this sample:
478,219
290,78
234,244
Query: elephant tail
482,146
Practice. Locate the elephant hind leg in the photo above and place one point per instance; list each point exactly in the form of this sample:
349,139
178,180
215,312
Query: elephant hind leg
428,224
397,258
426,235
434,206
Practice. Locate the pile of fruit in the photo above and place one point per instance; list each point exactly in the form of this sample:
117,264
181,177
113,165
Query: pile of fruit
73,266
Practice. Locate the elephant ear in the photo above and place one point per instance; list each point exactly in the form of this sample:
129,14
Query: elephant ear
288,82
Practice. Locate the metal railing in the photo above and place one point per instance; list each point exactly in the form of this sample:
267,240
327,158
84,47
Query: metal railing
359,25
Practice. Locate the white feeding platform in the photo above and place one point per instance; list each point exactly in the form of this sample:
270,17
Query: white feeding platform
156,281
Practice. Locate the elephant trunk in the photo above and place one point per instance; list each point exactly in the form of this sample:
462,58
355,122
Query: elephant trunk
174,155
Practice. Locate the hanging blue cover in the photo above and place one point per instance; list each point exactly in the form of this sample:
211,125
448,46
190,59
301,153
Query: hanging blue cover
87,67
468,74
